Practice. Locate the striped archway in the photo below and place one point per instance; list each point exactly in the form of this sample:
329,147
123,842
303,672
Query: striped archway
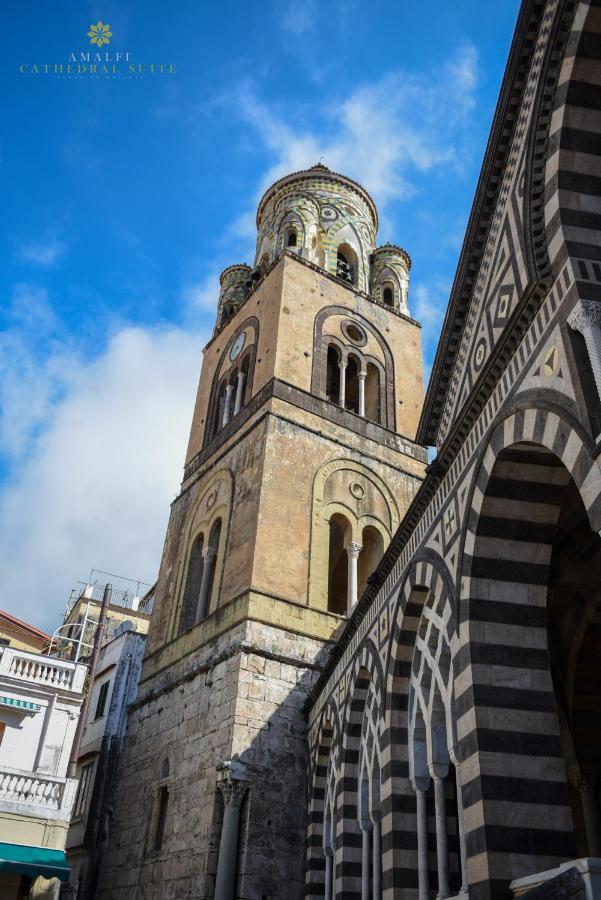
426,583
363,690
537,471
324,766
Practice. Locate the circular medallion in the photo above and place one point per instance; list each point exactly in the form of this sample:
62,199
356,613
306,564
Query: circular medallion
357,490
211,499
354,333
237,346
480,353
328,213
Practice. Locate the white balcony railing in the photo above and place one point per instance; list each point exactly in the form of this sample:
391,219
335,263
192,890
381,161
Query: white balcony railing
43,670
47,794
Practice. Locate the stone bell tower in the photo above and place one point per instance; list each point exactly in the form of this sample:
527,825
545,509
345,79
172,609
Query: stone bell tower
300,465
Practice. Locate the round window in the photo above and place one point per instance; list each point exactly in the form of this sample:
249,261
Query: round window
354,333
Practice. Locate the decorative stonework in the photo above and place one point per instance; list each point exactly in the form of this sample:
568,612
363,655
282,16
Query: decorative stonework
357,490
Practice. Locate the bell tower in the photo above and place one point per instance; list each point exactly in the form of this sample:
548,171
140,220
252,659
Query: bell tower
300,465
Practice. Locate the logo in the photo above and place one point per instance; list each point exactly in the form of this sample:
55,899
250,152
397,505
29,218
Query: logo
99,34
97,62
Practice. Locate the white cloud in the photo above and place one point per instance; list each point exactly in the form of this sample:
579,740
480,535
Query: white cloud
44,252
100,467
383,134
202,296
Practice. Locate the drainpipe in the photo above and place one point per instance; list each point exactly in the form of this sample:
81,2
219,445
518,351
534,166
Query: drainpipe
106,599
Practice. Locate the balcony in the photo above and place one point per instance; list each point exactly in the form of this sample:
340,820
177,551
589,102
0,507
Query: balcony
44,671
37,794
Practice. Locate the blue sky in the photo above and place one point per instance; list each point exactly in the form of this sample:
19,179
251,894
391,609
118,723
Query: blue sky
124,198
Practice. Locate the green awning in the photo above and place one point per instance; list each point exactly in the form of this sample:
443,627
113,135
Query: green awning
33,861
25,705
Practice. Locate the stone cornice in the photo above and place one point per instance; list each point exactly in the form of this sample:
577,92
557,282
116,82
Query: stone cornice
281,390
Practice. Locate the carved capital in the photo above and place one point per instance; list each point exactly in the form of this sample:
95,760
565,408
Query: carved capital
342,364
233,791
354,550
585,315
586,779
438,771
362,375
420,783
209,553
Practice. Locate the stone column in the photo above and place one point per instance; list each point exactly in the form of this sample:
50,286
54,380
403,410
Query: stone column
227,406
209,555
329,875
420,786
239,392
588,782
365,825
442,853
233,791
460,828
377,859
362,376
342,367
586,319
353,550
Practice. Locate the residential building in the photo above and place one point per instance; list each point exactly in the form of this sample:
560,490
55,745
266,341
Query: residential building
21,635
114,687
131,601
40,703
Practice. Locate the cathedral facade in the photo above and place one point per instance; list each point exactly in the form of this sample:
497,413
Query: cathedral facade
455,732
366,678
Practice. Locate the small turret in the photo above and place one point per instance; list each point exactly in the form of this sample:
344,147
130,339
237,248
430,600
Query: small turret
234,283
389,277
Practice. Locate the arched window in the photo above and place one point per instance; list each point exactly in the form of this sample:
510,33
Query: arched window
333,375
372,393
352,384
163,802
211,560
388,294
337,565
346,263
239,382
370,556
290,238
200,578
193,584
219,409
264,264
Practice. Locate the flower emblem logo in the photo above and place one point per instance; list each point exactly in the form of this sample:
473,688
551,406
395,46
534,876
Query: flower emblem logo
99,34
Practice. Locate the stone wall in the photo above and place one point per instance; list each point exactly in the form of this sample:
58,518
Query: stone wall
243,694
